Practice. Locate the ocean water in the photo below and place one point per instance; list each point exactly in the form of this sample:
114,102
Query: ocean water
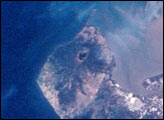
30,32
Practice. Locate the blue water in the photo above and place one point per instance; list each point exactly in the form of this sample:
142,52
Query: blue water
30,31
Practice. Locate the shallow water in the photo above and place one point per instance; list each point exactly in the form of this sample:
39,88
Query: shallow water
136,39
